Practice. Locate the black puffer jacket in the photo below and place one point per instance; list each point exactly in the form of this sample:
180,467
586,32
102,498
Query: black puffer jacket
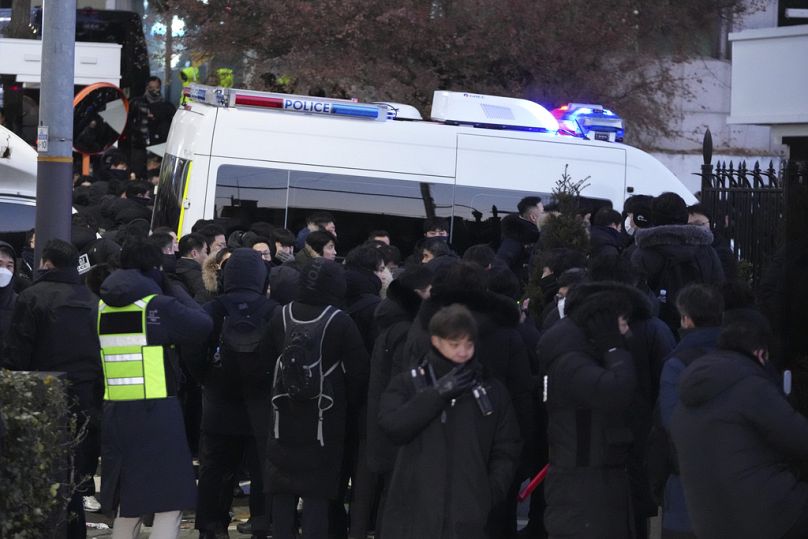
394,315
54,328
736,437
296,461
7,300
500,347
605,241
518,239
454,464
661,245
188,273
361,299
236,390
587,488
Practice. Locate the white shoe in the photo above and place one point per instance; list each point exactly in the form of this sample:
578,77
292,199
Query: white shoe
91,505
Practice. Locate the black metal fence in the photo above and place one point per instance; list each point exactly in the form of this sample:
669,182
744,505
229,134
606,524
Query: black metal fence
748,207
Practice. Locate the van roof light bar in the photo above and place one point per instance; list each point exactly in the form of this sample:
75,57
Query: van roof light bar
231,97
491,111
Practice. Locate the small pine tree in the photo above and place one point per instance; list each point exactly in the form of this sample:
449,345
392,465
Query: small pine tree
561,229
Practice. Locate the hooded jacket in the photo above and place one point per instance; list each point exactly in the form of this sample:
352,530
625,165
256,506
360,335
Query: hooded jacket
500,347
53,328
7,300
393,318
145,460
605,241
297,463
587,488
660,245
454,464
235,390
361,299
697,341
649,342
736,438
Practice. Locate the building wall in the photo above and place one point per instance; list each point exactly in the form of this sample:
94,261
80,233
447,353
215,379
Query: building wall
709,107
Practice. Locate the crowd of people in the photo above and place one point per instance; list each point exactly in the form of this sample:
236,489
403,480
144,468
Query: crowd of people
415,395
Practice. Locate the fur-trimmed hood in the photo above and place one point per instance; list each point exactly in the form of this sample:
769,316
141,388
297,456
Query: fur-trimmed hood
581,293
210,275
492,311
673,235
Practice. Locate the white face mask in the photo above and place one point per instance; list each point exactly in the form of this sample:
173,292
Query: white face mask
5,277
561,304
628,226
386,277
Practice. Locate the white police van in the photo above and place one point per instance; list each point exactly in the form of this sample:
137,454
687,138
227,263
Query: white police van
249,156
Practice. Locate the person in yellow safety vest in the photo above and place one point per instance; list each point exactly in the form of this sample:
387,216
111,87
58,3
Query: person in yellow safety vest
188,75
225,75
146,464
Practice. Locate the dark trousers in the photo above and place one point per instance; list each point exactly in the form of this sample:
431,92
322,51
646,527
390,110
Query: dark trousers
220,457
284,511
85,403
535,526
364,494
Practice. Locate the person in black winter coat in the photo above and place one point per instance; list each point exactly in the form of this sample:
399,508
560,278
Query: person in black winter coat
394,316
738,439
500,349
604,235
53,328
363,265
305,446
146,463
520,232
7,295
235,395
590,381
459,449
673,250
188,270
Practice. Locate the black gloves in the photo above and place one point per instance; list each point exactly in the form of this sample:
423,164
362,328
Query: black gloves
452,384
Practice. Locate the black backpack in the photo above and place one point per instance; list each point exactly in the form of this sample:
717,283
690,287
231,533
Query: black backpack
660,453
242,330
299,372
675,275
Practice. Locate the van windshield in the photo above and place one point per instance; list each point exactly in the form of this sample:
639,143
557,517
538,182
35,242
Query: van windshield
168,202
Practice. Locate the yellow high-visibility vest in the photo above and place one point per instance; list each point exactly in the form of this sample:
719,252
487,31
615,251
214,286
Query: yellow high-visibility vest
133,370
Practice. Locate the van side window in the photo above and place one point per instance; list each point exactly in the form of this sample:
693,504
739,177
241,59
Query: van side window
478,212
361,204
249,194
168,202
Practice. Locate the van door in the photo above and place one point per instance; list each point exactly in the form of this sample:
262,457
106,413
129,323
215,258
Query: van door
535,165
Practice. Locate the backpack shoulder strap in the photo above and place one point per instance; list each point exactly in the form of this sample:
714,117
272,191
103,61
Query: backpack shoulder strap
330,316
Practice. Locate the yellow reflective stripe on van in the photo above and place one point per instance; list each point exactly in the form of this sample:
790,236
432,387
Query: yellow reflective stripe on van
182,200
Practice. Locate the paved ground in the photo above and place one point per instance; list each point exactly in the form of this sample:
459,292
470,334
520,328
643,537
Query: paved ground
241,511
241,515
